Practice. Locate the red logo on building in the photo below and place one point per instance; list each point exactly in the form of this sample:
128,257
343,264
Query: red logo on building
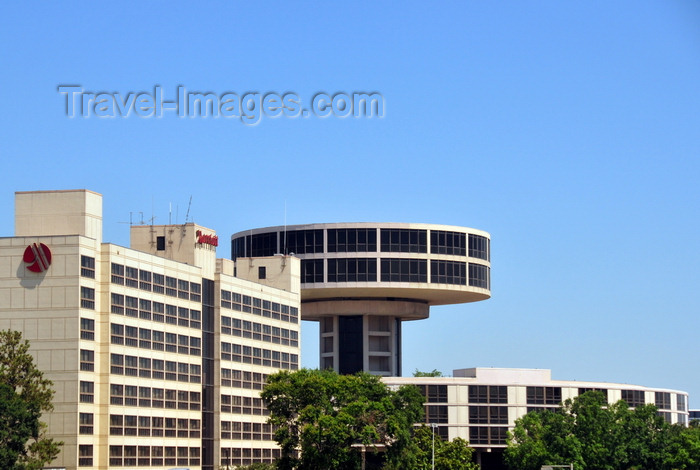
38,257
212,240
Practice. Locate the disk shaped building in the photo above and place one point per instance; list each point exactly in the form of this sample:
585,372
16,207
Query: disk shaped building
362,280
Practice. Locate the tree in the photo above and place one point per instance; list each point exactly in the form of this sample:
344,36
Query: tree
24,395
449,455
591,434
323,414
432,373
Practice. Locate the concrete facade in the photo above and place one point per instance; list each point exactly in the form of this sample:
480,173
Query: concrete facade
157,352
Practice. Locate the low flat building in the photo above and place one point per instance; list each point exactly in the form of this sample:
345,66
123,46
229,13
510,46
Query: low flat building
480,405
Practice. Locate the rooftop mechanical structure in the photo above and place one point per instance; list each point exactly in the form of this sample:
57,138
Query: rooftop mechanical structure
362,280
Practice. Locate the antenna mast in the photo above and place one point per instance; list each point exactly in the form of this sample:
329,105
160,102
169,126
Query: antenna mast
187,216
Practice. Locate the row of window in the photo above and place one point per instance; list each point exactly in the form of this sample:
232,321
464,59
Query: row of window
488,394
146,367
352,270
494,435
633,398
256,306
488,415
154,456
434,393
243,379
246,431
259,356
235,456
146,338
155,311
396,270
259,331
155,282
361,240
132,395
243,405
147,426
545,395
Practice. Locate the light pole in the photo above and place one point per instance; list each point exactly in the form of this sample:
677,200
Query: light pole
433,426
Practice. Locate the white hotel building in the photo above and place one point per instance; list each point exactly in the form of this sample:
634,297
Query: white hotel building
158,351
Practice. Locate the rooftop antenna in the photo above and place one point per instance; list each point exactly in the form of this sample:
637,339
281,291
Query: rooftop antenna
187,216
170,214
284,251
130,222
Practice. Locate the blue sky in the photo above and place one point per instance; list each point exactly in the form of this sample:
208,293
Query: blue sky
570,132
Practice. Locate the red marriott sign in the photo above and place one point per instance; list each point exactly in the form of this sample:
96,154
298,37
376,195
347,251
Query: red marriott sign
38,257
204,239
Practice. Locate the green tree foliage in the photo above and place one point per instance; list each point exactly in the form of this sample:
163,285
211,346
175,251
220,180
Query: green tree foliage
24,395
591,434
452,455
432,373
322,414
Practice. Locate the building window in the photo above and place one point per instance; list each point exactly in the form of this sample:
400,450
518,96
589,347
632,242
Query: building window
311,270
403,240
170,286
478,435
436,414
479,276
160,243
434,393
117,274
87,266
543,395
85,455
352,270
86,423
262,244
117,306
448,243
262,274
158,283
488,415
87,298
117,364
662,400
87,329
145,280
352,240
132,277
487,435
87,360
479,247
302,242
448,272
132,306
488,394
633,398
87,392
404,270
680,403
